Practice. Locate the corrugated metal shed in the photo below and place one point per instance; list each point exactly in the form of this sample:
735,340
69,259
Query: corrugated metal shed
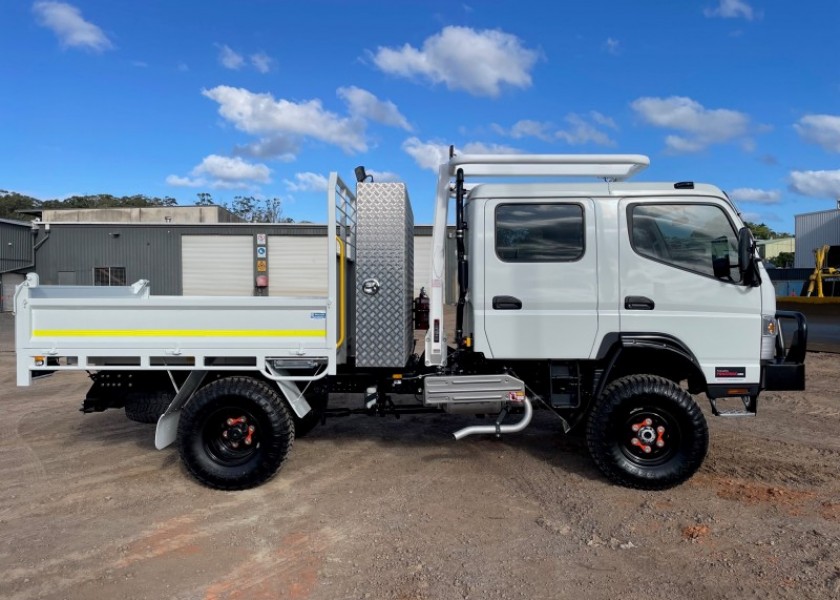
16,241
146,251
68,253
813,230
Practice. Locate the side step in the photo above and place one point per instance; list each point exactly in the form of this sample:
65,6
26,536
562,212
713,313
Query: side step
469,389
749,409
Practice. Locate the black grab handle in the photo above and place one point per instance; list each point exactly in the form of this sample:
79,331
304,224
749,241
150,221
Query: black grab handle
506,303
638,303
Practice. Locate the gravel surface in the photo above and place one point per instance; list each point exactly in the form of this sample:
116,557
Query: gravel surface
382,508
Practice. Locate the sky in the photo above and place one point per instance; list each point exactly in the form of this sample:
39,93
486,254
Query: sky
266,98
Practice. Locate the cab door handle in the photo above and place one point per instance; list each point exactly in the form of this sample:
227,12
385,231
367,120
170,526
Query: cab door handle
638,303
506,303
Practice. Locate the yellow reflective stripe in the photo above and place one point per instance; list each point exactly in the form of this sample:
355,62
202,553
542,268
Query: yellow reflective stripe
203,333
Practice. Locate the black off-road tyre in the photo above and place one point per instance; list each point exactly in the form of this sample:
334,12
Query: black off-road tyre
147,407
235,433
646,432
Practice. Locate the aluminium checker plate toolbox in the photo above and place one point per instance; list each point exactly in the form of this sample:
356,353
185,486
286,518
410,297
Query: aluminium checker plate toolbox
384,275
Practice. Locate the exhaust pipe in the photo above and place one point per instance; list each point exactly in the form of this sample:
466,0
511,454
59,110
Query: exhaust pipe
498,428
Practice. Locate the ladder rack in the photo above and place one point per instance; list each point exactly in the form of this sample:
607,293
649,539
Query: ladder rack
614,167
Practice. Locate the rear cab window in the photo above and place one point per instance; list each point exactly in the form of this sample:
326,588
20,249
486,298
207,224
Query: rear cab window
549,232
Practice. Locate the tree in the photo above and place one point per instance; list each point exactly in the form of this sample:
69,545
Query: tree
783,259
761,231
253,210
11,202
204,199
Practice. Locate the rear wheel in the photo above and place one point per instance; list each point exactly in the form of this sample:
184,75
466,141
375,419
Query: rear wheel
647,432
147,407
235,433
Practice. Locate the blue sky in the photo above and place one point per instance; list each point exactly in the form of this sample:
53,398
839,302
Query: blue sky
267,97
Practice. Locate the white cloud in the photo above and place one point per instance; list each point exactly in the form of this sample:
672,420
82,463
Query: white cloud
482,148
731,9
823,130
700,126
578,131
479,62
229,58
529,128
262,114
818,184
262,62
756,196
307,182
430,155
279,147
582,132
612,46
223,172
427,155
232,169
361,103
178,181
603,120
383,176
67,23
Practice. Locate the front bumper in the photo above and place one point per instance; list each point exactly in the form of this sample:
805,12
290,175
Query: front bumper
787,370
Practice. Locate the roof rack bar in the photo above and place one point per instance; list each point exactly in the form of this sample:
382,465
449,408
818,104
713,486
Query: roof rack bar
616,167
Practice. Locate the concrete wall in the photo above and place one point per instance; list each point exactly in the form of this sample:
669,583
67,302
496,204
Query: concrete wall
155,214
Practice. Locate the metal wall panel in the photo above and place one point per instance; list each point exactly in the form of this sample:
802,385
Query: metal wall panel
16,241
813,230
145,252
297,266
218,265
384,254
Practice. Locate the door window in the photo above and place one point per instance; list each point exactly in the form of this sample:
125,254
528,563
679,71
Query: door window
695,237
539,232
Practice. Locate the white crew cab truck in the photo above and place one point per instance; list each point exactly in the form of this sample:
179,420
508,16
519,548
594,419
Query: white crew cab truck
609,303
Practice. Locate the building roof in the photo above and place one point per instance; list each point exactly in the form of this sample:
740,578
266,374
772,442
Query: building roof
12,222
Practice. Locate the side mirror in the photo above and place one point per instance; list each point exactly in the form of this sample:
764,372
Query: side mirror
746,257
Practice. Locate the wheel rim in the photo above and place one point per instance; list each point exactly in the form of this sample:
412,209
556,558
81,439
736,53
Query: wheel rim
649,436
231,436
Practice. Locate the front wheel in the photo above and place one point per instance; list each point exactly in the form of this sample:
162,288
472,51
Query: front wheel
235,433
647,432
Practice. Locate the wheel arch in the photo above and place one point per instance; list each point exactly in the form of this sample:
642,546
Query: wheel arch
650,354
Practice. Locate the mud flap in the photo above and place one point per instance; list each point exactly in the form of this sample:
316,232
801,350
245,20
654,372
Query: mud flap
167,426
295,398
167,429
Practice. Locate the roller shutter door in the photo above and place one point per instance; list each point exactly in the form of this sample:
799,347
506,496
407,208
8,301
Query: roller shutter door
422,266
217,265
297,265
8,281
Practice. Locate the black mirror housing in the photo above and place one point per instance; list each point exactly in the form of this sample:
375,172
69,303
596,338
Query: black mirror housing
746,258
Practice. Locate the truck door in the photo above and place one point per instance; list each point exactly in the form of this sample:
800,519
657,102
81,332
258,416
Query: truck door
540,288
676,280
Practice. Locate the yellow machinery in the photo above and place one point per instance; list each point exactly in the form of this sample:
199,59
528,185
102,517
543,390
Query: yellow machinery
826,270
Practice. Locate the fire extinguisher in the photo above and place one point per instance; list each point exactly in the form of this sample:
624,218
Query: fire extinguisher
421,310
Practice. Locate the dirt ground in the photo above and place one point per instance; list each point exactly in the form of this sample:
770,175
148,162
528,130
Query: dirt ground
396,509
